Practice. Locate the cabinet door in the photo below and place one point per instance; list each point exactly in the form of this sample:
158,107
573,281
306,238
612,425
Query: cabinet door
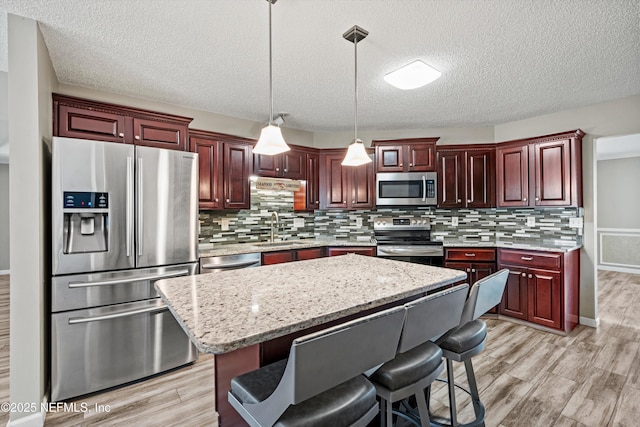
462,266
264,165
451,179
237,168
545,298
334,178
514,299
153,133
390,158
480,177
362,187
512,176
368,251
421,157
309,253
83,123
269,258
552,173
293,164
210,171
313,181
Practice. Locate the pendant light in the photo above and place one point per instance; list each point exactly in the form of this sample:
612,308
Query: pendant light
271,141
356,154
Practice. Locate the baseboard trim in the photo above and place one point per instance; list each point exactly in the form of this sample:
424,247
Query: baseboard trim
587,321
3,272
619,269
35,419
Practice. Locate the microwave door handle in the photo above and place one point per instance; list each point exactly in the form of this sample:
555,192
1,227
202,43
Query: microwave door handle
424,188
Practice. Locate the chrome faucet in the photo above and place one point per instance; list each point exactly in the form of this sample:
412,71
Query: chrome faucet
274,219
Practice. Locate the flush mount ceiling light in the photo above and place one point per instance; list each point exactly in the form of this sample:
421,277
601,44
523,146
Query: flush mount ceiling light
356,154
271,141
412,76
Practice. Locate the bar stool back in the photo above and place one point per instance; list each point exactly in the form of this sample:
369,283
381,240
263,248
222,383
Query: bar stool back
469,338
320,383
419,361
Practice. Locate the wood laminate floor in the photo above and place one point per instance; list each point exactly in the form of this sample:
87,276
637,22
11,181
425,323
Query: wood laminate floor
526,377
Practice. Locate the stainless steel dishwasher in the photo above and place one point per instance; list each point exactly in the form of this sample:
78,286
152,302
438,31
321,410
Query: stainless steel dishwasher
216,264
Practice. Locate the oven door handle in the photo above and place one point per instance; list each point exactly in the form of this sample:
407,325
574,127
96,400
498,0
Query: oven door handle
230,266
129,279
76,320
403,251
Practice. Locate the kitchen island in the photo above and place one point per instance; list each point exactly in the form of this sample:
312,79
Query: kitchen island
249,317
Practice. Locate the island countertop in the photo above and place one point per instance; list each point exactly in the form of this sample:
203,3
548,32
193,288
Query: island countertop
230,310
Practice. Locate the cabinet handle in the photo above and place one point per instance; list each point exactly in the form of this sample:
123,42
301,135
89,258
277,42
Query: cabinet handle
524,200
537,198
459,200
410,164
216,200
524,274
286,170
468,270
137,137
468,200
526,258
400,164
344,201
317,201
277,169
530,276
473,270
466,254
121,135
353,201
228,201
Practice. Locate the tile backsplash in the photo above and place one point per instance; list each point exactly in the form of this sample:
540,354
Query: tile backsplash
515,224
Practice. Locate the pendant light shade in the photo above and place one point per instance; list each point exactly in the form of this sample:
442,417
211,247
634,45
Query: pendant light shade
356,153
271,141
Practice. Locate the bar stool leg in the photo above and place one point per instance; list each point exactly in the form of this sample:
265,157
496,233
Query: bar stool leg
452,393
473,388
423,410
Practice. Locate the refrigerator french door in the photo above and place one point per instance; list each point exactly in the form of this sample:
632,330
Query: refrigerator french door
123,217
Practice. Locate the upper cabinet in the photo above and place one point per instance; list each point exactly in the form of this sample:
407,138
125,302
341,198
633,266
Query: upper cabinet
405,155
345,187
544,171
86,119
225,166
290,164
308,197
466,176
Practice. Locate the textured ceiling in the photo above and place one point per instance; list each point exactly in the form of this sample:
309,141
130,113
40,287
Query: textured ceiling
501,60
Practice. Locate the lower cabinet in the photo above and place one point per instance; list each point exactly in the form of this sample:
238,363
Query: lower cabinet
542,288
360,250
279,257
477,263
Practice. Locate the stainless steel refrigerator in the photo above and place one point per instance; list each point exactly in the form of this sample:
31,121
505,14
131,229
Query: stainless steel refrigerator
122,218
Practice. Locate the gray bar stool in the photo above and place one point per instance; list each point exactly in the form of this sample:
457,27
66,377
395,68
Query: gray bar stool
419,361
469,338
320,384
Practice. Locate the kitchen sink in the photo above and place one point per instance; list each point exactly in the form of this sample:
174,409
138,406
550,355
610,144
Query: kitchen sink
269,244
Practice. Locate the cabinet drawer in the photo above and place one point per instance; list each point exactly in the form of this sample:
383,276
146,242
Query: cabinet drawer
470,254
530,259
309,253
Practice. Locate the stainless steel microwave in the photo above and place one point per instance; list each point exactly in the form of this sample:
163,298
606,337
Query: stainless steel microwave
407,189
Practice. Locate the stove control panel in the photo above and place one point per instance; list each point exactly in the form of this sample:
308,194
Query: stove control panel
404,223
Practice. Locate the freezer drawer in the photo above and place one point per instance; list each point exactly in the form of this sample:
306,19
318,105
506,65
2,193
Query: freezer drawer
104,347
79,291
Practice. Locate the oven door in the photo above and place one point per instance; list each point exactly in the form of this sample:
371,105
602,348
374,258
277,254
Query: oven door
406,189
417,254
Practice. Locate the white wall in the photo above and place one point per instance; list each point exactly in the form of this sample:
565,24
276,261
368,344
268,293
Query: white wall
4,218
31,82
605,119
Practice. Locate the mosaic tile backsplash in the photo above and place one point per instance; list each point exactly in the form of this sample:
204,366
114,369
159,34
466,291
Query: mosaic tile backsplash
523,224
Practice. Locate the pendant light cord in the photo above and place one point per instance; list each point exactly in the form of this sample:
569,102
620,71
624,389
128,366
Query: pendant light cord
355,109
270,70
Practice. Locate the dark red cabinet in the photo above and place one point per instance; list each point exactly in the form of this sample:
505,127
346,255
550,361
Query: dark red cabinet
466,176
290,165
360,250
345,187
308,197
476,262
544,171
225,166
279,257
86,119
405,155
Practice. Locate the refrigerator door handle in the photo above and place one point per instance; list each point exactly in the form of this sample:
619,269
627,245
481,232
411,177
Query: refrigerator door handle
76,320
128,279
129,203
139,203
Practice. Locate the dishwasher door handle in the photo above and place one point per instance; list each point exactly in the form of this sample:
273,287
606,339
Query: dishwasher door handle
128,279
230,266
77,320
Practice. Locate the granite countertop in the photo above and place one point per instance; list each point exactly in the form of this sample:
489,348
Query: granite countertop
532,245
234,309
245,248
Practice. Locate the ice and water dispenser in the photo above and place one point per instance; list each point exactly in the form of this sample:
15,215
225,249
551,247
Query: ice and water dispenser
86,222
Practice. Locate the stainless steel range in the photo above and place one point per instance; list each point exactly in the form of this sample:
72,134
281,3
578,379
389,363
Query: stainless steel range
407,239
